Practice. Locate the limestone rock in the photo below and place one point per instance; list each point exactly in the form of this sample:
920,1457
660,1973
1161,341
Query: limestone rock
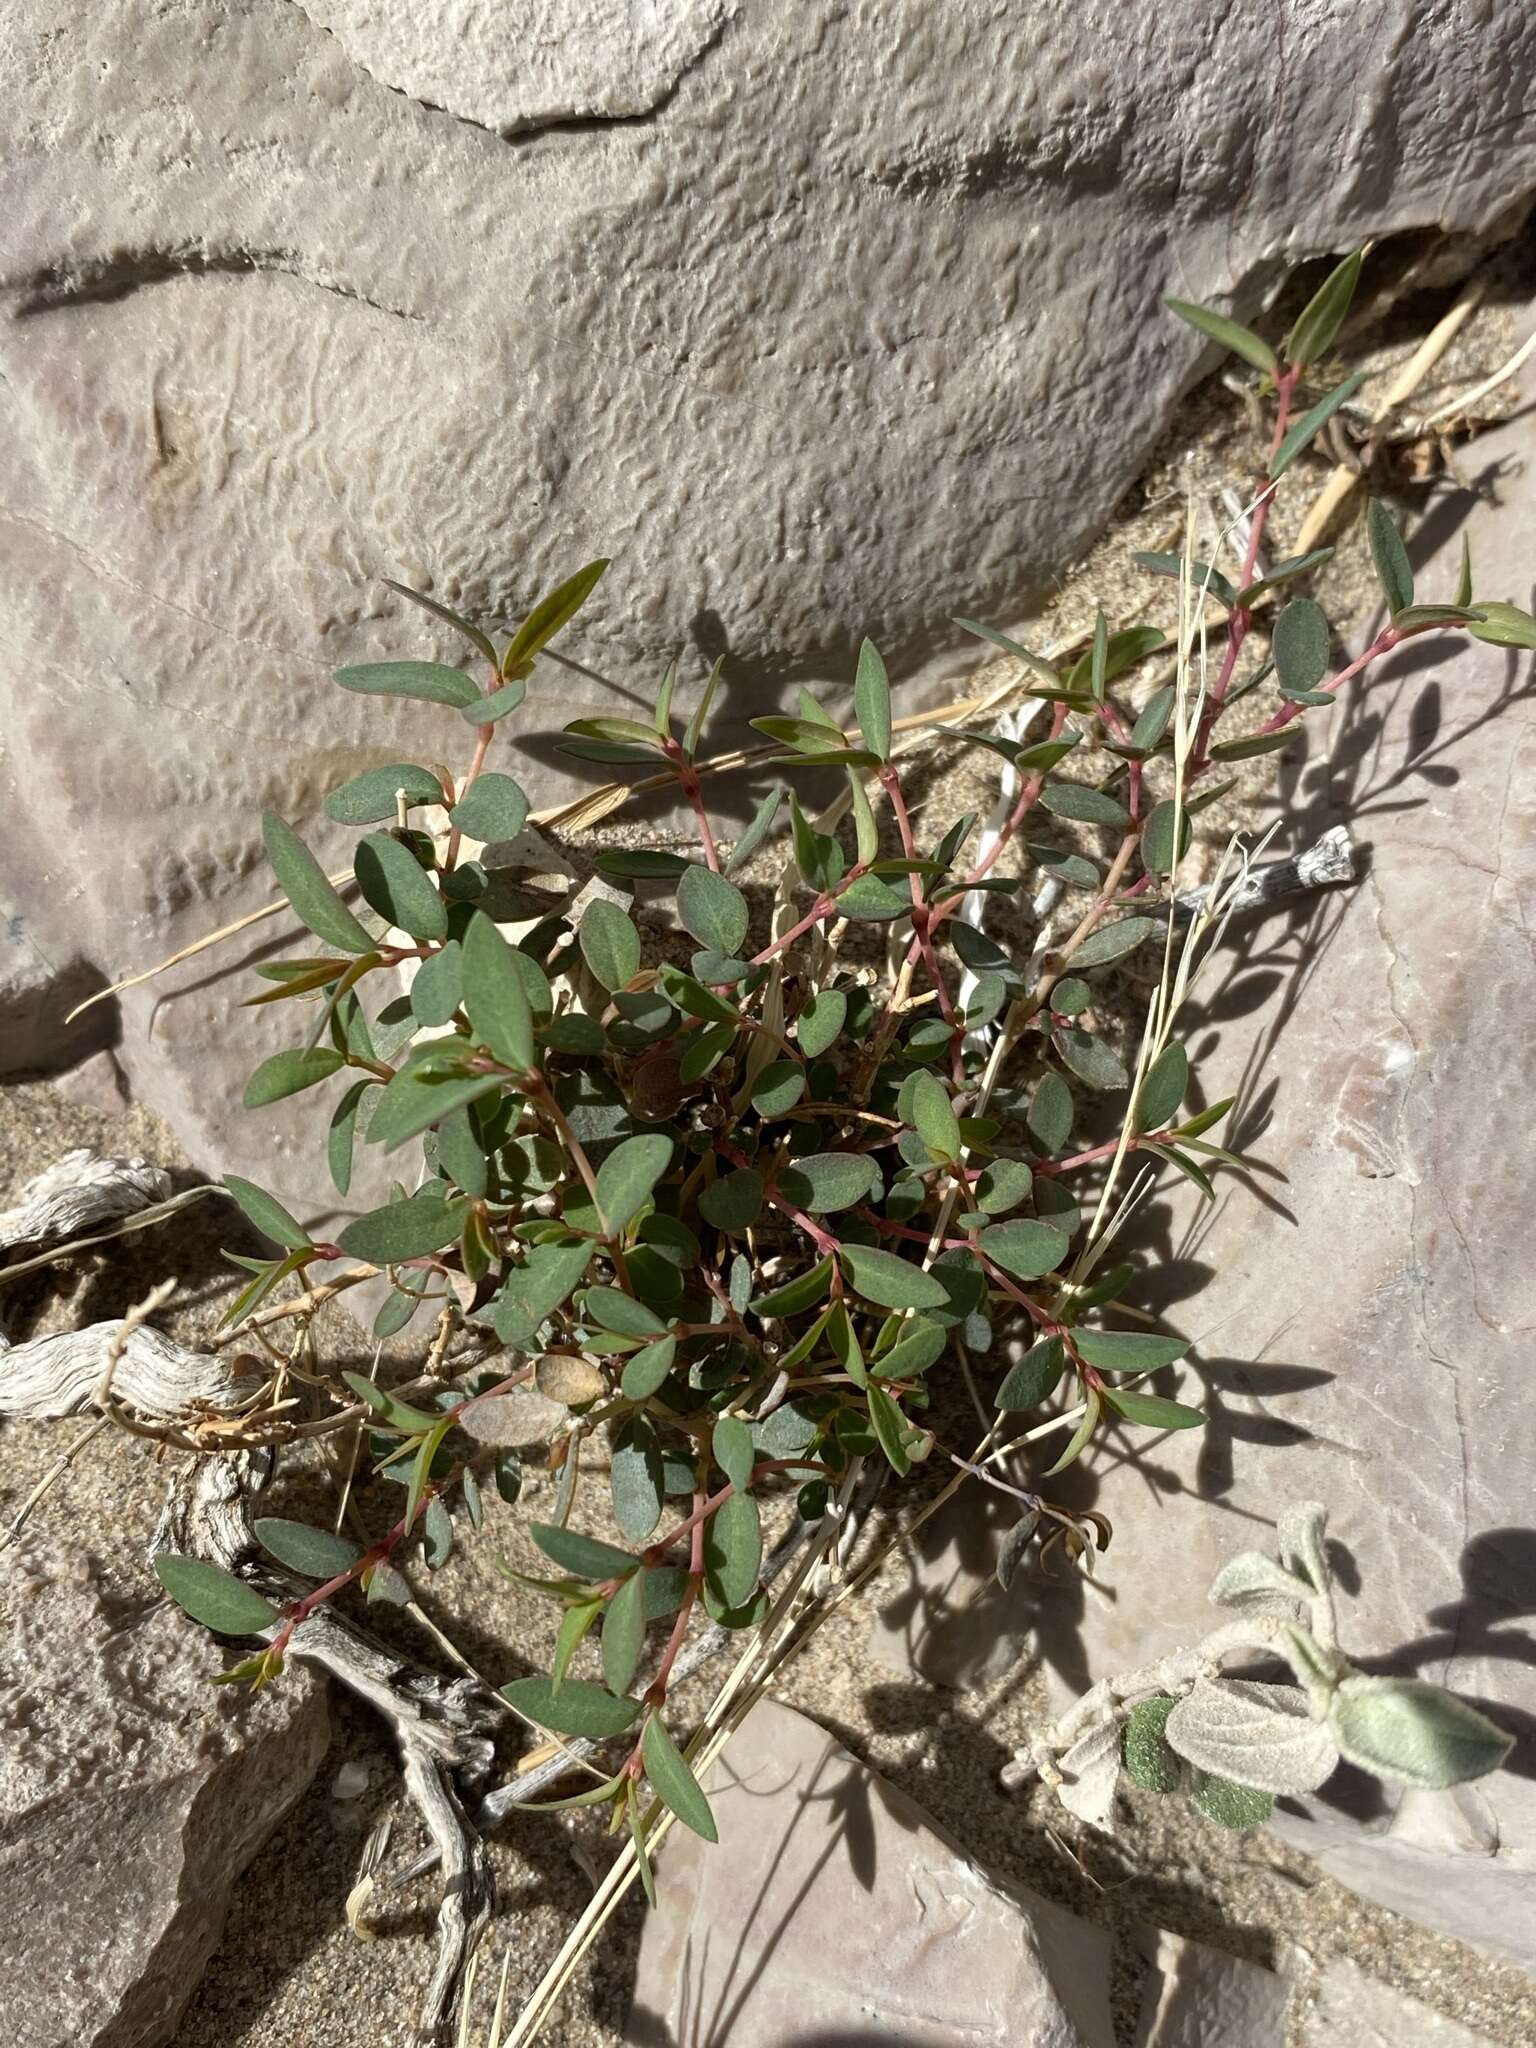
132,1794
821,320
833,1910
1197,1997
1370,1317
1348,2006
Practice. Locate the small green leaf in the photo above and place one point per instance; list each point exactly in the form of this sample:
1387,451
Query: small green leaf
1128,1350
1202,575
317,1553
422,1223
1217,327
1393,569
214,1597
1003,1186
462,625
1412,1733
647,1369
635,1480
1464,575
890,1429
1229,1805
1301,646
821,1022
610,945
1504,625
627,1176
1320,319
755,833
583,1556
634,863
1161,847
550,614
1151,1411
712,909
1162,1088
733,1549
1081,1437
778,1088
612,1309
1149,1760
1085,806
493,807
498,705
287,1073
797,1294
1113,941
822,1182
735,1201
576,1707
1092,1060
1050,1113
673,1782
921,1345
495,998
624,1632
1034,1378
394,883
534,1290
872,701
397,1414
734,1451
302,880
428,680
1256,743
1025,1247
268,1214
342,1133
371,797
1285,572
890,1281
1310,423
1041,667
934,1119
870,899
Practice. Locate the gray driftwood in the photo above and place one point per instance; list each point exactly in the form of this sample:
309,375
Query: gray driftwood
444,1726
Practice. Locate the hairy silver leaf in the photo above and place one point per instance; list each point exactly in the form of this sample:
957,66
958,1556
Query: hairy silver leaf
1300,1533
1255,1584
1259,1735
1090,1769
1413,1733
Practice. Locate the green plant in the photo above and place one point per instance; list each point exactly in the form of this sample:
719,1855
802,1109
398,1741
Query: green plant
1232,1745
730,1199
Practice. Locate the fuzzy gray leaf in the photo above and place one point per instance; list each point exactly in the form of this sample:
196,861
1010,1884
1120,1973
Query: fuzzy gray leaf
1255,1584
1260,1735
1090,1770
1300,1532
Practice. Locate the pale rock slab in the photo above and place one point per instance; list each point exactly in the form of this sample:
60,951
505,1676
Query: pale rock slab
1371,1319
833,1912
1345,2005
821,320
132,1795
1197,1997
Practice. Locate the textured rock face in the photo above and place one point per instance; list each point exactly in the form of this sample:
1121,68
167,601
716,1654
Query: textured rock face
132,1795
1370,1322
833,1911
820,320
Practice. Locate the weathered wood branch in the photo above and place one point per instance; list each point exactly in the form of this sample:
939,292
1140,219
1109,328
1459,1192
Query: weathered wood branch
77,1194
61,1374
443,1725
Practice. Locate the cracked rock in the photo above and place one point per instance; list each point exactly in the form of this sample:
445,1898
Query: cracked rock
834,1910
132,1794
